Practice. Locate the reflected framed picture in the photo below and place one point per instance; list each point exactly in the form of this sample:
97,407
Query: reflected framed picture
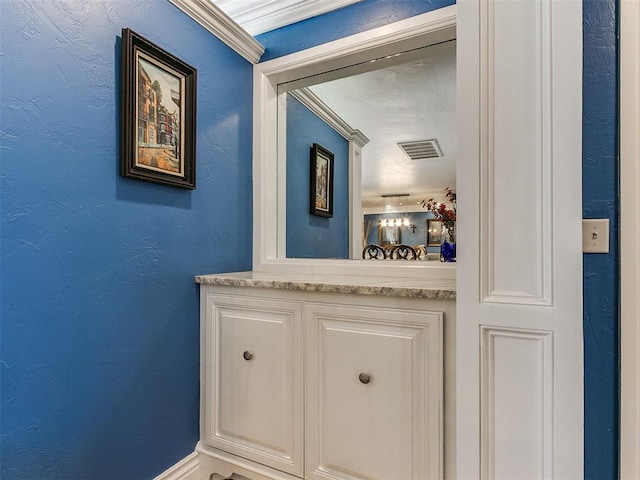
389,235
321,187
434,232
158,114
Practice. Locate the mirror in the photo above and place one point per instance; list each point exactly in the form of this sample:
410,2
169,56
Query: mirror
393,101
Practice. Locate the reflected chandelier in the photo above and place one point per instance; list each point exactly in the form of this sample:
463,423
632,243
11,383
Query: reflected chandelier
392,204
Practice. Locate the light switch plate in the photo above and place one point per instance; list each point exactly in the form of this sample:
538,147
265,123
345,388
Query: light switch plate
595,235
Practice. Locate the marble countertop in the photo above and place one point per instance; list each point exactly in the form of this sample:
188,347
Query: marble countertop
441,289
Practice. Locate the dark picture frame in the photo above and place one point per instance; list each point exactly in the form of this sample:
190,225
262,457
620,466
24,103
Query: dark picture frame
321,187
389,235
158,114
434,232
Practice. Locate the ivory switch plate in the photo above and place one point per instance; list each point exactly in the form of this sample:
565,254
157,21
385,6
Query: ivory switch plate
595,235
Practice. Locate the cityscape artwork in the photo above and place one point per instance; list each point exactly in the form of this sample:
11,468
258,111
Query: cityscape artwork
159,118
158,114
321,187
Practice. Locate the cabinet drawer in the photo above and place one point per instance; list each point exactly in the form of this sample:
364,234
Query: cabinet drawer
253,380
374,393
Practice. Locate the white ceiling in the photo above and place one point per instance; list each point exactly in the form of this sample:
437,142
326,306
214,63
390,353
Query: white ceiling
259,16
412,101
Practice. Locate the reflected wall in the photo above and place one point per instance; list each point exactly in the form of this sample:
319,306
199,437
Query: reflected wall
415,234
311,236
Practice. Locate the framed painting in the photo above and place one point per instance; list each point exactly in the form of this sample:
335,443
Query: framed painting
321,181
158,114
389,235
434,232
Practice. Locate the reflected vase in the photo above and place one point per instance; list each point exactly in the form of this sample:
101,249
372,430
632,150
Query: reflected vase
448,243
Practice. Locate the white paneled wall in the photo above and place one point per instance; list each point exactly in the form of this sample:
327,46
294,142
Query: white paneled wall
519,334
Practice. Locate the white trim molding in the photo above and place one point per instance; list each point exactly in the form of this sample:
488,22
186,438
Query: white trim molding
261,16
630,239
507,275
268,196
222,26
530,376
218,461
204,462
186,469
328,116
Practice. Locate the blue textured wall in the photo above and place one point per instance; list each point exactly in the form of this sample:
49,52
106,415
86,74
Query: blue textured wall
600,187
310,236
409,237
99,344
600,183
100,337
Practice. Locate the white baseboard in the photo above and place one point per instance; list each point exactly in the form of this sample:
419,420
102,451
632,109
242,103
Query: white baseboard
200,464
186,469
213,460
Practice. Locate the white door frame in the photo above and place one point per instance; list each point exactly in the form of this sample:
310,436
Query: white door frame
519,338
630,239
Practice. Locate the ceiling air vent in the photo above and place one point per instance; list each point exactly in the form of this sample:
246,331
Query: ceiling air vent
421,149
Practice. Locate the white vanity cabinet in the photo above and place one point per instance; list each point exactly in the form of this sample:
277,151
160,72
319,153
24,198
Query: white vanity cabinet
373,393
316,385
252,378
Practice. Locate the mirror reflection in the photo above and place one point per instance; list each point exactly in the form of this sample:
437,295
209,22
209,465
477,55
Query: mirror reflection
404,114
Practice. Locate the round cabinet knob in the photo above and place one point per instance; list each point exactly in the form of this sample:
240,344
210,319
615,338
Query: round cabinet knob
364,378
248,355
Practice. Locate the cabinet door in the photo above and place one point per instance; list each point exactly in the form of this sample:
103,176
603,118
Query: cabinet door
374,394
253,380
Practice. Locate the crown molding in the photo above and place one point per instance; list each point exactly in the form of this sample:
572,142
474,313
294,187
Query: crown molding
222,26
358,138
260,16
331,118
438,25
